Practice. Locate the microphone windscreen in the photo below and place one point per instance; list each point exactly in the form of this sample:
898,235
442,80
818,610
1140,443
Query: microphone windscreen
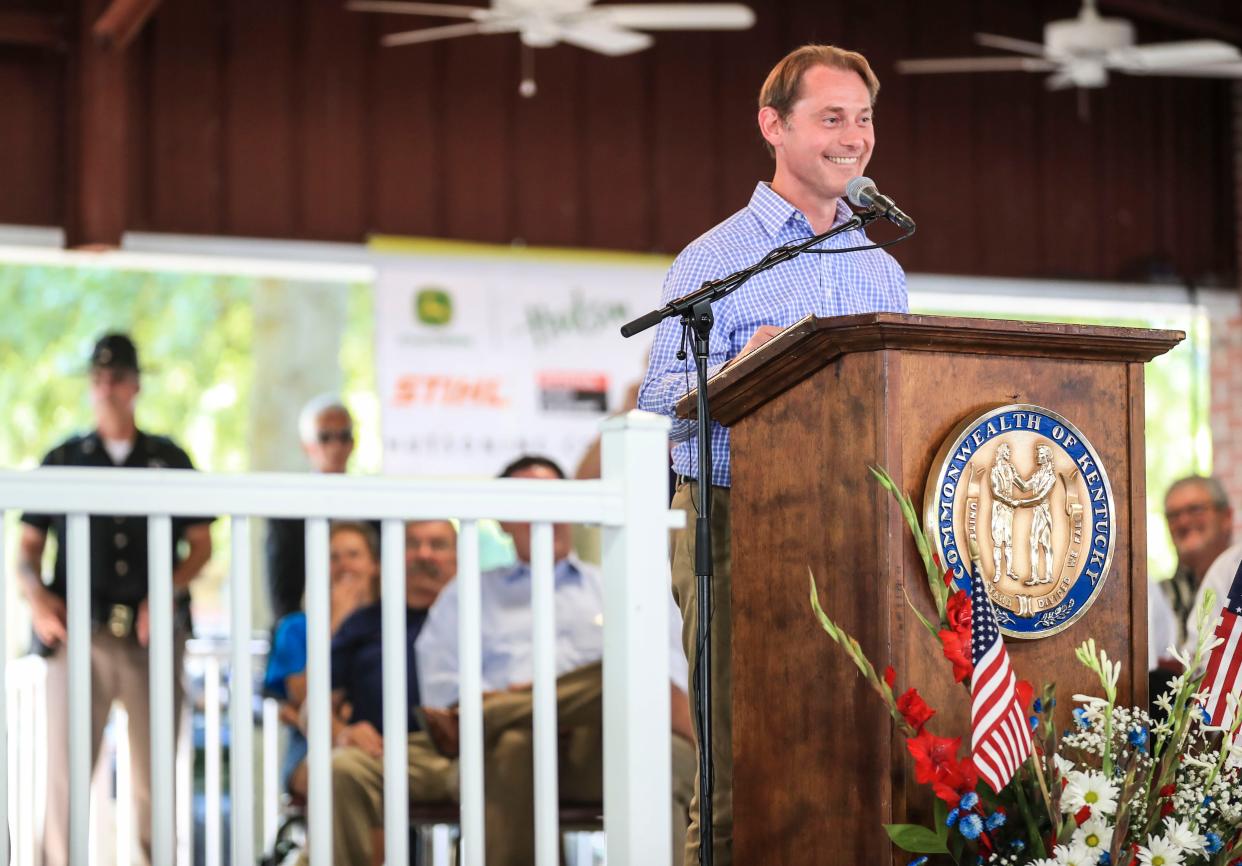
860,191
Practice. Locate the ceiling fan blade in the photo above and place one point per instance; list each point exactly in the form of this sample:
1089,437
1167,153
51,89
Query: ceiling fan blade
448,31
974,64
1008,43
677,16
398,7
1216,70
595,35
1170,55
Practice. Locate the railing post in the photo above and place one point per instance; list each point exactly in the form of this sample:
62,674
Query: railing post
543,617
318,697
637,745
161,687
396,703
4,702
470,691
78,602
241,687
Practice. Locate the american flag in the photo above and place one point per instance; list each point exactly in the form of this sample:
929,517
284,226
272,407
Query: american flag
1000,738
1222,670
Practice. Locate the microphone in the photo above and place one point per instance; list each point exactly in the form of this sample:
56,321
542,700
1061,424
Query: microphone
861,192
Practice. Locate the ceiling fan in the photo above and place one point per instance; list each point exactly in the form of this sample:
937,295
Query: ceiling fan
1081,52
609,29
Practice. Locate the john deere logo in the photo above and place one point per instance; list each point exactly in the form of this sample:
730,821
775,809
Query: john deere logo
433,307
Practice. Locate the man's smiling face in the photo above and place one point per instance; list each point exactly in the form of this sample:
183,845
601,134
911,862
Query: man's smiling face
827,139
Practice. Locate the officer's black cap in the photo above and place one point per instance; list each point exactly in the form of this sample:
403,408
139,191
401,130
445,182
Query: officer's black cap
115,352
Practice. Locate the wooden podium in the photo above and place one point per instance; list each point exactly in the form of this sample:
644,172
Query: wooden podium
818,765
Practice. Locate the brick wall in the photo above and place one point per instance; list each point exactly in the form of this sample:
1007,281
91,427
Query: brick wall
1226,368
1226,373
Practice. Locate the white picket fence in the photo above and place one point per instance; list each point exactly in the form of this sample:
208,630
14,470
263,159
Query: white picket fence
630,505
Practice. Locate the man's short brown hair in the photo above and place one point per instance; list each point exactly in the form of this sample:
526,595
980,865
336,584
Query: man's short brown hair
784,83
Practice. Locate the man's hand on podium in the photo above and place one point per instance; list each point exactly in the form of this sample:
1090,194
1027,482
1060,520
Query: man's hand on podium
757,339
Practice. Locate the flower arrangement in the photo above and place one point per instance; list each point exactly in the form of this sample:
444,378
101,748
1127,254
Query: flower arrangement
1119,788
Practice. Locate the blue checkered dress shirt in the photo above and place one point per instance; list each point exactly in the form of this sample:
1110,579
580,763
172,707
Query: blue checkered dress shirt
834,285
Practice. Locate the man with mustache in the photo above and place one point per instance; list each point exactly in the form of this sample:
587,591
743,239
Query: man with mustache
358,691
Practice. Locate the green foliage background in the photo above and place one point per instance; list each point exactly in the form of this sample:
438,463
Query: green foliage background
195,332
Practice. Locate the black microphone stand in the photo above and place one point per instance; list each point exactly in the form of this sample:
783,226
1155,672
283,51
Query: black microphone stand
695,311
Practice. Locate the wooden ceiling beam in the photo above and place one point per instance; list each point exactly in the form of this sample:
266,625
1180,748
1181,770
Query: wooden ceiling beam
38,29
1172,16
122,21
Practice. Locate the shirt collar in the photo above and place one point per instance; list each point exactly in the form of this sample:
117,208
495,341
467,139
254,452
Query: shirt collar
774,212
567,569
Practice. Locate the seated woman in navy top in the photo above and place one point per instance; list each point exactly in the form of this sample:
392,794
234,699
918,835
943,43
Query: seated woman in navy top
354,575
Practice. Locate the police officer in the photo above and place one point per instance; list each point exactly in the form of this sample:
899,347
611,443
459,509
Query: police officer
119,663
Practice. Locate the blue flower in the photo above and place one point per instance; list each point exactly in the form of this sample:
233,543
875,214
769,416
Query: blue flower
1034,722
1138,738
1017,845
970,826
1105,859
1206,716
918,861
1038,706
1207,801
1213,843
969,800
952,817
996,819
1080,716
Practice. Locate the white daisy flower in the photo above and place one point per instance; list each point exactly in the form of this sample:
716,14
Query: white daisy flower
1179,833
1160,852
1089,789
1079,855
1096,835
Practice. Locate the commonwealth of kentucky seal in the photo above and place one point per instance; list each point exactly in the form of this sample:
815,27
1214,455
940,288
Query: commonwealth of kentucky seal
1029,490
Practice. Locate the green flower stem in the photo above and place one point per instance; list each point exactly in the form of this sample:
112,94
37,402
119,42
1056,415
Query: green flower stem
935,577
856,654
1032,828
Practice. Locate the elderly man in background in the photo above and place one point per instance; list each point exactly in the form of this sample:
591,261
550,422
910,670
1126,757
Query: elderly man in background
327,434
1201,525
358,692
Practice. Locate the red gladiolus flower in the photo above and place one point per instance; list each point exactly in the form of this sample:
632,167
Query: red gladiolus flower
1167,790
1167,808
1081,816
936,764
890,676
956,647
1026,692
914,709
957,611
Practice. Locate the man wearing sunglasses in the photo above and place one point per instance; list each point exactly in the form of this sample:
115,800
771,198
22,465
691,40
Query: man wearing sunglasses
327,433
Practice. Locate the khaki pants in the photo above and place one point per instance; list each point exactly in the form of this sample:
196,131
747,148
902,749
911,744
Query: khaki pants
120,671
508,774
720,634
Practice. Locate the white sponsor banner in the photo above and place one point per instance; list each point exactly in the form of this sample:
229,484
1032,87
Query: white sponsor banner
488,354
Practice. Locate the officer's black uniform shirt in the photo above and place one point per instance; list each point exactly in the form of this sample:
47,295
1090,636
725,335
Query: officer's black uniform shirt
118,544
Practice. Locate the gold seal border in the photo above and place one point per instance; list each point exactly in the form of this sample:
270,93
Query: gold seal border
936,476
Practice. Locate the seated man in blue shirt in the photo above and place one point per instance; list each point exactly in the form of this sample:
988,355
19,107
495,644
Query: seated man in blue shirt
358,692
507,674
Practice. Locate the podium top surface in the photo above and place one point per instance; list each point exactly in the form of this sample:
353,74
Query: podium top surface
812,343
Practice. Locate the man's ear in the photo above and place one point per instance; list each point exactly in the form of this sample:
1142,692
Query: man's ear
771,126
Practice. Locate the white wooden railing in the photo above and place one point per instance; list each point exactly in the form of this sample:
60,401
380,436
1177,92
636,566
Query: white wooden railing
629,503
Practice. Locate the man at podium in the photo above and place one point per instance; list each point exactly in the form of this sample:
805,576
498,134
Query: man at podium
816,117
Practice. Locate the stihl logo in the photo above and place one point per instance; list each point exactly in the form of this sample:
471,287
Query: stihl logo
418,390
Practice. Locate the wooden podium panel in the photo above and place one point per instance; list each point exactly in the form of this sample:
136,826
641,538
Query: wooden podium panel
817,763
